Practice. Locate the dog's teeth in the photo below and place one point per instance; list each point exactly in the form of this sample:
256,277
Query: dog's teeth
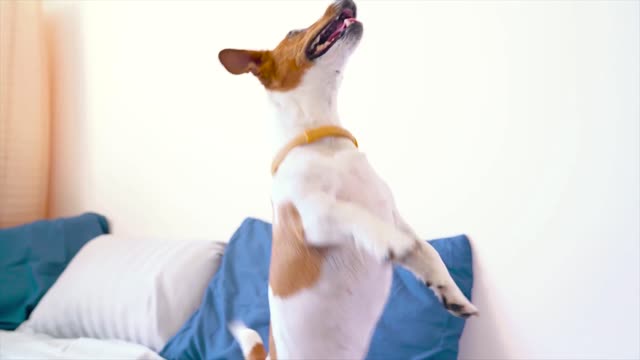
322,47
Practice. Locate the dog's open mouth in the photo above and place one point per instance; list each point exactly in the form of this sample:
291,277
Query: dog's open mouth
330,34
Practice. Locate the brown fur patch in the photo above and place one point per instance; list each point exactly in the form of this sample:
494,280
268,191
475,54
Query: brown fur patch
257,353
294,264
283,67
272,346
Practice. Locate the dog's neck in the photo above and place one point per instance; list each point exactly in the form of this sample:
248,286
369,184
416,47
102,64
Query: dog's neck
312,104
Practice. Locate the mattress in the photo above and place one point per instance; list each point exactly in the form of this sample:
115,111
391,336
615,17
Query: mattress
24,344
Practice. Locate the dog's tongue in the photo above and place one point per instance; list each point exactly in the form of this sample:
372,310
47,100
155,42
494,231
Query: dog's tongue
343,25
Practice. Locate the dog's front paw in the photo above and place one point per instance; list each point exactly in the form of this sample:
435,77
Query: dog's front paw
453,299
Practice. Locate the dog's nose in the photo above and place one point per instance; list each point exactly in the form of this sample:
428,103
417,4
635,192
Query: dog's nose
345,3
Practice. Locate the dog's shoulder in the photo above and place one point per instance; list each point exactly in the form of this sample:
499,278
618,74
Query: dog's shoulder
294,264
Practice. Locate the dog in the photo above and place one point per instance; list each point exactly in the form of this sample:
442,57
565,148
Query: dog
336,229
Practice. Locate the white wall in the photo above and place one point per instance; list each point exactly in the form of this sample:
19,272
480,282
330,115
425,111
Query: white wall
514,122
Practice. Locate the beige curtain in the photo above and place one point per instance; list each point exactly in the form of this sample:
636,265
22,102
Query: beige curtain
25,113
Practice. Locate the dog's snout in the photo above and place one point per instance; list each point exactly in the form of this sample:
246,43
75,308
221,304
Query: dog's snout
345,2
341,4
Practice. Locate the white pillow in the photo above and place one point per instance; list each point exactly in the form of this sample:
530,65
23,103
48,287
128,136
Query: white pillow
136,290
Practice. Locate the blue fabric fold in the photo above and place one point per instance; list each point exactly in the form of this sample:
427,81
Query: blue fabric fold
32,257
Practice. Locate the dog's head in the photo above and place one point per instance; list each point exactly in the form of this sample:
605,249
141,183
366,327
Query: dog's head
324,47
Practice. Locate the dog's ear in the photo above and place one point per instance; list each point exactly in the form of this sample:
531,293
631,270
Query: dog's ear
242,61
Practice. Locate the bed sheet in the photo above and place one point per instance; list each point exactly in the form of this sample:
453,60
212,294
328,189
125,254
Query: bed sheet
24,344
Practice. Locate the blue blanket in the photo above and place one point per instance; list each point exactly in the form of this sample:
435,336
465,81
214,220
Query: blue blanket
414,324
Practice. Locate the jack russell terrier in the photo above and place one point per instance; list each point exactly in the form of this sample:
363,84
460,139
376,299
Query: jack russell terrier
336,229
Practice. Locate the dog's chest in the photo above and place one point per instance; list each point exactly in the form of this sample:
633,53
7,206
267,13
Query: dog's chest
360,184
347,175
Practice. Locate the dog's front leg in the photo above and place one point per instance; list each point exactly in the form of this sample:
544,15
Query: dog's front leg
328,221
427,265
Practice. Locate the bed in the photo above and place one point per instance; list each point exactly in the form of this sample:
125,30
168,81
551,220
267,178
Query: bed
72,290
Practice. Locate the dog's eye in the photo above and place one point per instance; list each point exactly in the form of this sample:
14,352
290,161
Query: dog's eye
293,32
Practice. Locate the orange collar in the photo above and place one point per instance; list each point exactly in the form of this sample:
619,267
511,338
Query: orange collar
308,137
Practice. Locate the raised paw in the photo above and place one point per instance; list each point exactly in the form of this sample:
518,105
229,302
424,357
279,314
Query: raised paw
454,300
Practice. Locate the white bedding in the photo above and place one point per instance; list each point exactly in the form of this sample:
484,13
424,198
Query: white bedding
140,290
24,344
